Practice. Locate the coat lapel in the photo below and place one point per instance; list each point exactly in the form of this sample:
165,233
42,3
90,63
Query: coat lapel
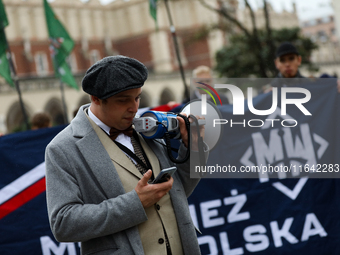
119,157
100,165
116,154
98,160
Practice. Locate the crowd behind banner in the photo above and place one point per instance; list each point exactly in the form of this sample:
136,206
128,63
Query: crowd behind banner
235,216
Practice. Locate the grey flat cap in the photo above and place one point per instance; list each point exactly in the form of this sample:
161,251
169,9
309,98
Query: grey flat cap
113,75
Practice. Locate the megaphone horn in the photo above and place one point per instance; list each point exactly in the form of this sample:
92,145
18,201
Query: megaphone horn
212,133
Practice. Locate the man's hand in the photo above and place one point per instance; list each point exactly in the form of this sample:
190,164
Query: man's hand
184,132
150,194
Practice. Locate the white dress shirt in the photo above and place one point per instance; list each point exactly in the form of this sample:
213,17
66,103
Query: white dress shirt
121,138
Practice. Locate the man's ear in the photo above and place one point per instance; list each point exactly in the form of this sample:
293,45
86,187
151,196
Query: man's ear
276,62
95,100
299,59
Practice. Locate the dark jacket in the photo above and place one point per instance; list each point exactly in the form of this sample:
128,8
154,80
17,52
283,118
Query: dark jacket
280,81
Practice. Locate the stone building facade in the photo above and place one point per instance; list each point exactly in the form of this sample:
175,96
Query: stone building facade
323,31
277,19
121,27
336,7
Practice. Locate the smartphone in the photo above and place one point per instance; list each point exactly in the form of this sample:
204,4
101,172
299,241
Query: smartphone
164,175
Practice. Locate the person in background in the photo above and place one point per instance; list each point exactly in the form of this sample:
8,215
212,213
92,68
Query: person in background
287,62
203,74
200,74
41,120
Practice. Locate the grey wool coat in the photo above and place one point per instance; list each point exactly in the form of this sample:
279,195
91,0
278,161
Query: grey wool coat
86,200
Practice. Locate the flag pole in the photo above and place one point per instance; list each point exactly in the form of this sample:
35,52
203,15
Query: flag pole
63,101
61,90
61,45
174,37
17,86
16,81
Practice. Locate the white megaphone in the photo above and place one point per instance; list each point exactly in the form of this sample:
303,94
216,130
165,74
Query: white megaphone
212,133
154,124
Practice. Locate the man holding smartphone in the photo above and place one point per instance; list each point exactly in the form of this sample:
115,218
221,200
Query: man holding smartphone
98,193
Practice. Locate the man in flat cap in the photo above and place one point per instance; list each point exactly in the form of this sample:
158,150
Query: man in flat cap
99,195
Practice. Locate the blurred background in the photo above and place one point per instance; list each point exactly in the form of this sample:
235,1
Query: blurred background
235,38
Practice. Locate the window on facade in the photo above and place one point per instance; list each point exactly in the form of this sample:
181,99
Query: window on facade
321,33
94,56
322,36
181,52
326,19
41,63
13,59
72,62
312,22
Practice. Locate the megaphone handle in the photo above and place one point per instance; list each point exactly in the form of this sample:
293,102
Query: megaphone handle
201,150
200,142
167,141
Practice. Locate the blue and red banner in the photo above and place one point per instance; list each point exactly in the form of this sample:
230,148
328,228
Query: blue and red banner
24,227
236,216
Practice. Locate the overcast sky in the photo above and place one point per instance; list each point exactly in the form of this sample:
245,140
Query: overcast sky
307,9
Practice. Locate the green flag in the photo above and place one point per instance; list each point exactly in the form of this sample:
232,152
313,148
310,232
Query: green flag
3,16
61,45
153,9
5,70
3,41
65,74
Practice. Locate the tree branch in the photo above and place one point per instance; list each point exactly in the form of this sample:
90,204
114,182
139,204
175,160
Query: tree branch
266,15
257,43
269,35
223,12
252,15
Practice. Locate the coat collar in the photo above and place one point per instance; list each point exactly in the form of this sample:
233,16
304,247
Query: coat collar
80,124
